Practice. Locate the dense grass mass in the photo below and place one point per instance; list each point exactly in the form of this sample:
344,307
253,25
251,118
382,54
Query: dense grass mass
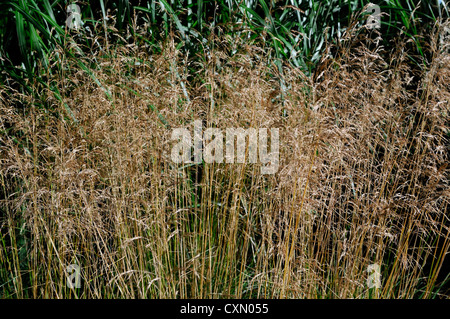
87,178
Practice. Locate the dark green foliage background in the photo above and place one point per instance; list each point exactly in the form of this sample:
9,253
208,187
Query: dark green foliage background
294,31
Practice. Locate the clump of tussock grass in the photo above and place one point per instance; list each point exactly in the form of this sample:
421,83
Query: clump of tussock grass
362,178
